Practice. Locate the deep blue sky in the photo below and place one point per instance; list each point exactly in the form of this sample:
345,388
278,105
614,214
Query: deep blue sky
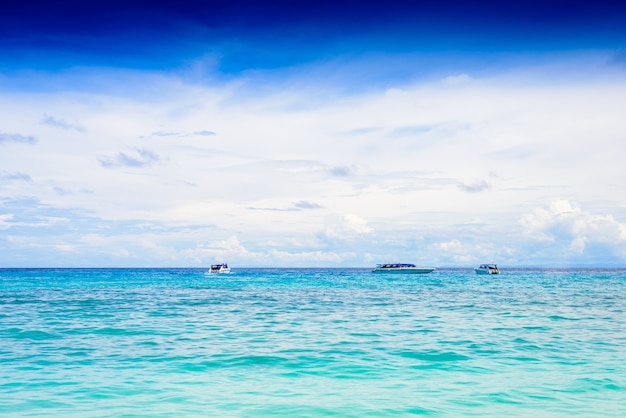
269,34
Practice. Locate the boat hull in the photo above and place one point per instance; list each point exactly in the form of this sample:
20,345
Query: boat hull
219,269
223,271
487,269
479,271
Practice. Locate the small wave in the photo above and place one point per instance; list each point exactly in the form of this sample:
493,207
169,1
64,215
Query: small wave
36,335
562,318
434,356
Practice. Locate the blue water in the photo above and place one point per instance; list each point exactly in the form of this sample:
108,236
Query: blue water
312,342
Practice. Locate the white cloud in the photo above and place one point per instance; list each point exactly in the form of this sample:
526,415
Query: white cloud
345,174
346,226
452,245
231,250
564,225
218,251
457,79
471,251
452,251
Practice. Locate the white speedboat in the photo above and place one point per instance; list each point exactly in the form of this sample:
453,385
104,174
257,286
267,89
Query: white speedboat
487,269
401,268
219,268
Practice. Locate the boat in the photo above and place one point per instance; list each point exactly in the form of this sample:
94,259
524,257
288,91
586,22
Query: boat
219,268
405,268
487,269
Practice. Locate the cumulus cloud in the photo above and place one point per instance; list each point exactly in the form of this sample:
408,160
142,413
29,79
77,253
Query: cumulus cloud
564,224
217,251
452,250
142,158
233,251
471,249
23,139
346,226
541,223
452,245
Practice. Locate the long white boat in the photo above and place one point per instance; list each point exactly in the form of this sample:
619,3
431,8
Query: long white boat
219,268
404,268
487,269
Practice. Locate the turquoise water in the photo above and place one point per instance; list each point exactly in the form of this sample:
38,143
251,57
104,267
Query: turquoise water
312,342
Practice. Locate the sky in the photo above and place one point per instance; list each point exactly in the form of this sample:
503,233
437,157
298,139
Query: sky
312,133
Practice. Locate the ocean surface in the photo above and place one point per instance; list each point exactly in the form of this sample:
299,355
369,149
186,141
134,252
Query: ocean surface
312,343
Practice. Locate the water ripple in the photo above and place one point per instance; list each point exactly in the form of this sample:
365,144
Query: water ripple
318,342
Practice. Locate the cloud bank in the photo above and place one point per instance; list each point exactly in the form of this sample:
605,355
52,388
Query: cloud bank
313,139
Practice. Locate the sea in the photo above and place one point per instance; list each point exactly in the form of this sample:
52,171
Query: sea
312,343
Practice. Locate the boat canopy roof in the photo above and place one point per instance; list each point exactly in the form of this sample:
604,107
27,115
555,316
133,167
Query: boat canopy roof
396,265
